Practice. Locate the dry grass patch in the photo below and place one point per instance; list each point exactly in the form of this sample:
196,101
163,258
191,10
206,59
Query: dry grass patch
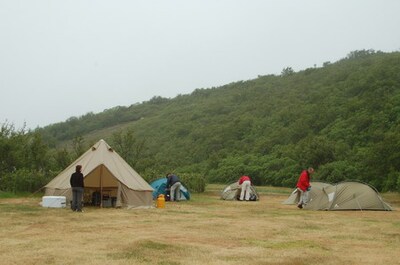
205,230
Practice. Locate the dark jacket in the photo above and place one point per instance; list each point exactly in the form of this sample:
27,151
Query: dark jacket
172,180
76,180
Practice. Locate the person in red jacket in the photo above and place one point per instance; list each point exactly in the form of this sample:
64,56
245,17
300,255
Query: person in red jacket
303,186
245,184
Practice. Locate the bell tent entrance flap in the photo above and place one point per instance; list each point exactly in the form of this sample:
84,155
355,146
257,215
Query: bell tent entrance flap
232,192
107,174
347,195
160,186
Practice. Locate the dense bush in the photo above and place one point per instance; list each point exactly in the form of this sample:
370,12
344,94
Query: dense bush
193,182
23,180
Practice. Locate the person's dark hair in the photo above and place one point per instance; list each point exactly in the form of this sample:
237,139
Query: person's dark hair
78,168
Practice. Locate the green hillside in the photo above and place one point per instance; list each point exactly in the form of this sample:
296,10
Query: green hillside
343,119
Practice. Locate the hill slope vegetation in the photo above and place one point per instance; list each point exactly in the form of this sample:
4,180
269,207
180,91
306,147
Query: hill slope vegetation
343,119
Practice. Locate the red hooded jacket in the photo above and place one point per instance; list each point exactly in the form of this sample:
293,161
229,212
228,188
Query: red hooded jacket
243,178
304,181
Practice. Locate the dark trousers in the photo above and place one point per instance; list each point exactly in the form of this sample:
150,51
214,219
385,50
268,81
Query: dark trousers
77,195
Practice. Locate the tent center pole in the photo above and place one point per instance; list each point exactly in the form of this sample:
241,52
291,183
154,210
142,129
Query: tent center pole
101,186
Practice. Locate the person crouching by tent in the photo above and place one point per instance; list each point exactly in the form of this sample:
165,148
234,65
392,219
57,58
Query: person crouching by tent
303,186
77,185
174,186
245,184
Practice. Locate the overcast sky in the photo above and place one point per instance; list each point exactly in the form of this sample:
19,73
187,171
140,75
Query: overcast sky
60,59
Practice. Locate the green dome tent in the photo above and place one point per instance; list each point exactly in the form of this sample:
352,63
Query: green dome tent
347,195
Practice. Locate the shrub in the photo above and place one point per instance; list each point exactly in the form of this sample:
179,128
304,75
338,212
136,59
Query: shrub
23,180
194,182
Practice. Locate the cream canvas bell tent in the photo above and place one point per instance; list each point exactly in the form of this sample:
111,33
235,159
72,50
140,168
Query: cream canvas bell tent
106,175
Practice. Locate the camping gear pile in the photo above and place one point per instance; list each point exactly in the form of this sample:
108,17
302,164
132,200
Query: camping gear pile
347,195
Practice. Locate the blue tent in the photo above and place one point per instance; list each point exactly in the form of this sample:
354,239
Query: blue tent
160,185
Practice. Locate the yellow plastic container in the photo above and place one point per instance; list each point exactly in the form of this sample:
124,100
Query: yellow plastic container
160,203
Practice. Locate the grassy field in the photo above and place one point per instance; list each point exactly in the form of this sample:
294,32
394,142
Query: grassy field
205,230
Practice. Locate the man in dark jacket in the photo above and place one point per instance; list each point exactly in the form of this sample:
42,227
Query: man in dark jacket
174,185
77,185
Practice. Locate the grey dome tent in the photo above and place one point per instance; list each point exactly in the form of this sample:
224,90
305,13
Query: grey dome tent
232,192
347,195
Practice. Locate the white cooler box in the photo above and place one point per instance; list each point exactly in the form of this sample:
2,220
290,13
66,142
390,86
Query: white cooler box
54,201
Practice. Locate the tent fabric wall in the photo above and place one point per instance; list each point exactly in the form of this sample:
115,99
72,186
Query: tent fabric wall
135,199
230,192
103,168
320,197
101,175
359,196
58,192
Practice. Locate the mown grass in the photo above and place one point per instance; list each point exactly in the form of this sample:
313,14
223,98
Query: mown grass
15,208
205,230
143,252
291,244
